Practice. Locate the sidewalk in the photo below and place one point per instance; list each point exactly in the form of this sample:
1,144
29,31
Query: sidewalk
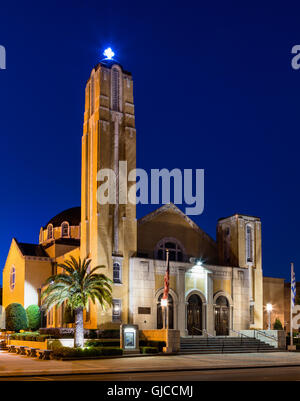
17,365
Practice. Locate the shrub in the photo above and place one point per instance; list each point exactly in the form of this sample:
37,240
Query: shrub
67,352
111,333
16,318
149,350
156,344
277,325
101,343
34,317
58,332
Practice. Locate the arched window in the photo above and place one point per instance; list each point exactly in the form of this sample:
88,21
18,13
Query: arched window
117,272
12,278
175,250
115,89
50,231
249,243
65,229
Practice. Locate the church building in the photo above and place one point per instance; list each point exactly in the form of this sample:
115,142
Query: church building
216,285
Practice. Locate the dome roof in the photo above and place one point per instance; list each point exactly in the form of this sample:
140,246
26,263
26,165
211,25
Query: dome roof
72,216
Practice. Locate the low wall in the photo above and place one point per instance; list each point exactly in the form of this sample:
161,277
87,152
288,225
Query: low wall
32,344
276,338
171,338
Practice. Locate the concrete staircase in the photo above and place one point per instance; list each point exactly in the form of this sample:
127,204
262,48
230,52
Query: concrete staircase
223,345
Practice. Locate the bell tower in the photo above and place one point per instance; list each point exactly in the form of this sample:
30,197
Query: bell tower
109,230
239,245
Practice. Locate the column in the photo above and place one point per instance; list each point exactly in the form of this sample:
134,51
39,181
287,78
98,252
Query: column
181,301
116,118
210,322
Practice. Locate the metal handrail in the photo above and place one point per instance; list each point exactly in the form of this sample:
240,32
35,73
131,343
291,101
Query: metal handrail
241,334
202,331
262,333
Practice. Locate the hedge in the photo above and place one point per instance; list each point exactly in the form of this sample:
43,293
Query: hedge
157,344
67,352
101,343
149,350
66,332
15,317
29,336
34,317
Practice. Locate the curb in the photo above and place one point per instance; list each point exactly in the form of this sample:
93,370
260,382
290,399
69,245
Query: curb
202,368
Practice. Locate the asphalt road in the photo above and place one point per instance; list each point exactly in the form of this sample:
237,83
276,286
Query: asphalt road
248,374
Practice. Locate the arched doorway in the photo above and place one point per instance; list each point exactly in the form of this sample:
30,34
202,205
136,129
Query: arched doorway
222,316
194,315
160,314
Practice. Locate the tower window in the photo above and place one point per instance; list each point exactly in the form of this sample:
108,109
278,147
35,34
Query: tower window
92,96
227,245
115,74
65,229
50,231
12,278
116,272
249,243
116,310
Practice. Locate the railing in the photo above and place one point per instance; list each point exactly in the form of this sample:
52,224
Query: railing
240,334
262,333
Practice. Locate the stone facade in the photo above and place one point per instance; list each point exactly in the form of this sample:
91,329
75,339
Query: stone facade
225,293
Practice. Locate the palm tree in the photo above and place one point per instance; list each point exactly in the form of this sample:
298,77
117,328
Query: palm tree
76,285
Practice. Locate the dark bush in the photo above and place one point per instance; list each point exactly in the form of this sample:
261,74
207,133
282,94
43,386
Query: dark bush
34,317
58,332
149,350
101,343
277,325
111,333
15,317
156,344
66,352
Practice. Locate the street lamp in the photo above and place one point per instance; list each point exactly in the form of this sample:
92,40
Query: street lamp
269,310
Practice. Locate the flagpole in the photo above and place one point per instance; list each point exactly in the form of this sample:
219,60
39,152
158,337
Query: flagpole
291,312
167,308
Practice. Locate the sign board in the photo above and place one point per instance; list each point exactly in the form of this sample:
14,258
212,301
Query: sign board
129,338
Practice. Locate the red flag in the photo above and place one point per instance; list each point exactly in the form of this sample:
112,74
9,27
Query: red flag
167,278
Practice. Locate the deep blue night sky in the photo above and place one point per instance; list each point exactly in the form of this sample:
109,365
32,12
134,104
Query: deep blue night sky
213,87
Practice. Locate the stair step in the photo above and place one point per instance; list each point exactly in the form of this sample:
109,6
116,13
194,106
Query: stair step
209,345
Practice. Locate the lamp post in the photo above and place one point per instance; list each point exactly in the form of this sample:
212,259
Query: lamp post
164,305
269,310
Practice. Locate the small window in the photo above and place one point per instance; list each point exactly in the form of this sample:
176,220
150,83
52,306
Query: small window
12,278
251,314
116,272
115,75
65,229
249,243
116,310
50,231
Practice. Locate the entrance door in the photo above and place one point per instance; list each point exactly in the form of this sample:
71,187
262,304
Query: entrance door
222,317
160,314
194,315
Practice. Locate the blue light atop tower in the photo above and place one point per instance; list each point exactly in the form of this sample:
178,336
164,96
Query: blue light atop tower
108,53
